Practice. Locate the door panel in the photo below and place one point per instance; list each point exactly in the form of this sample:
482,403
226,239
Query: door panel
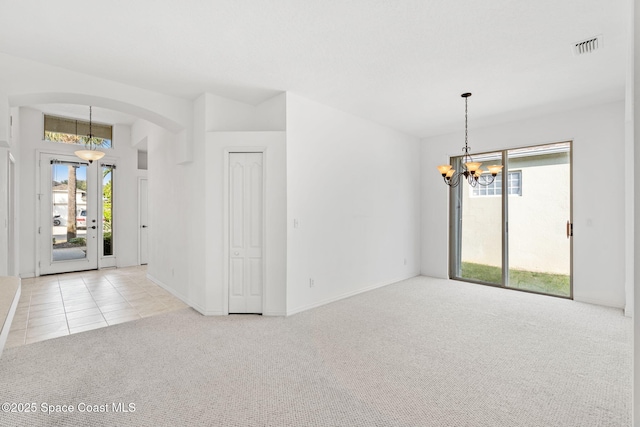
237,277
539,208
245,232
68,201
143,221
481,228
255,267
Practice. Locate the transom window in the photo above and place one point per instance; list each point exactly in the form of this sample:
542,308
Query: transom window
71,131
495,188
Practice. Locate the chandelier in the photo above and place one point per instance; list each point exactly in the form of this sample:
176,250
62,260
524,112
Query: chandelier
91,154
470,170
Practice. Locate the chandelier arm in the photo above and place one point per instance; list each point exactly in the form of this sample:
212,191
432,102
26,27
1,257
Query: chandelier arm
485,180
454,180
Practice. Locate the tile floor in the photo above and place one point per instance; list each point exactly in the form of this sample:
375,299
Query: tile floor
63,304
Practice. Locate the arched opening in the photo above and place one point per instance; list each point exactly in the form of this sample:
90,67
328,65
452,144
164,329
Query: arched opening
107,194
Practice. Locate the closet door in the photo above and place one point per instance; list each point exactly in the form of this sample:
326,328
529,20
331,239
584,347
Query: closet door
246,278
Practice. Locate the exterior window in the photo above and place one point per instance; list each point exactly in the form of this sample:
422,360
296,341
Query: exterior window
515,183
495,188
71,131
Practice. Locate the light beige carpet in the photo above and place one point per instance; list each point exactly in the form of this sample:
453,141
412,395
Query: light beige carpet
422,352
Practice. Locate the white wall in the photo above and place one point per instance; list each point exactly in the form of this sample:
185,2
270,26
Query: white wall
170,214
5,120
353,187
4,211
125,197
124,187
5,150
219,144
598,202
231,125
186,200
27,82
226,115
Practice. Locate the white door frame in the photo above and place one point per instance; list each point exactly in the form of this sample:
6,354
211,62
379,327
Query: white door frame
109,260
101,261
226,221
44,227
12,267
140,179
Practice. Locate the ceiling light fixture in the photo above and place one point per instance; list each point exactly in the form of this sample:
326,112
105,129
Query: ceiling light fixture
92,153
470,170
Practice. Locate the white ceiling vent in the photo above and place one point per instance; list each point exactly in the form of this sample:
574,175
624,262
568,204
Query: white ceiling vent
588,46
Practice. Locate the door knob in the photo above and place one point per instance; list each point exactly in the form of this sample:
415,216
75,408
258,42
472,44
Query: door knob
94,227
144,226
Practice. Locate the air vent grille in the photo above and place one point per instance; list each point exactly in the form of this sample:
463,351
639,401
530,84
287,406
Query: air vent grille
588,46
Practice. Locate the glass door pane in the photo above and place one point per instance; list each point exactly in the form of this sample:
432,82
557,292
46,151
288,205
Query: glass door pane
68,211
107,210
539,208
478,214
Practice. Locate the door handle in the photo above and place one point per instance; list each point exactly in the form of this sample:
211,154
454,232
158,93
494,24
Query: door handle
93,227
236,253
569,229
143,226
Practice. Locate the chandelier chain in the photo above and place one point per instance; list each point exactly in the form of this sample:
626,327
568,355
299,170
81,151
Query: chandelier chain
466,131
470,170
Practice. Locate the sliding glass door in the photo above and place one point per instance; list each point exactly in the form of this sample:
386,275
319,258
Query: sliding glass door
516,232
539,211
478,237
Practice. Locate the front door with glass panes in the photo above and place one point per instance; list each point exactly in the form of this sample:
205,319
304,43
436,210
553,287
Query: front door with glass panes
75,220
516,232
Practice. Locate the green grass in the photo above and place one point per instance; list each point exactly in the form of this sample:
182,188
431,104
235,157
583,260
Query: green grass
555,284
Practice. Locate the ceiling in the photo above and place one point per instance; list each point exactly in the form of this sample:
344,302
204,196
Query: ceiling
401,63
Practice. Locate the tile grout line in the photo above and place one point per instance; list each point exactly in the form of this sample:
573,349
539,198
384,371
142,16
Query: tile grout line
121,296
90,294
64,308
125,298
26,327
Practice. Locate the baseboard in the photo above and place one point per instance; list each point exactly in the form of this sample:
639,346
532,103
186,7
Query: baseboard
198,307
274,313
4,332
597,301
345,295
181,297
208,312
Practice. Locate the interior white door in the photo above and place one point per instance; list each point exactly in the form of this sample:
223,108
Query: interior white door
143,221
68,231
245,232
